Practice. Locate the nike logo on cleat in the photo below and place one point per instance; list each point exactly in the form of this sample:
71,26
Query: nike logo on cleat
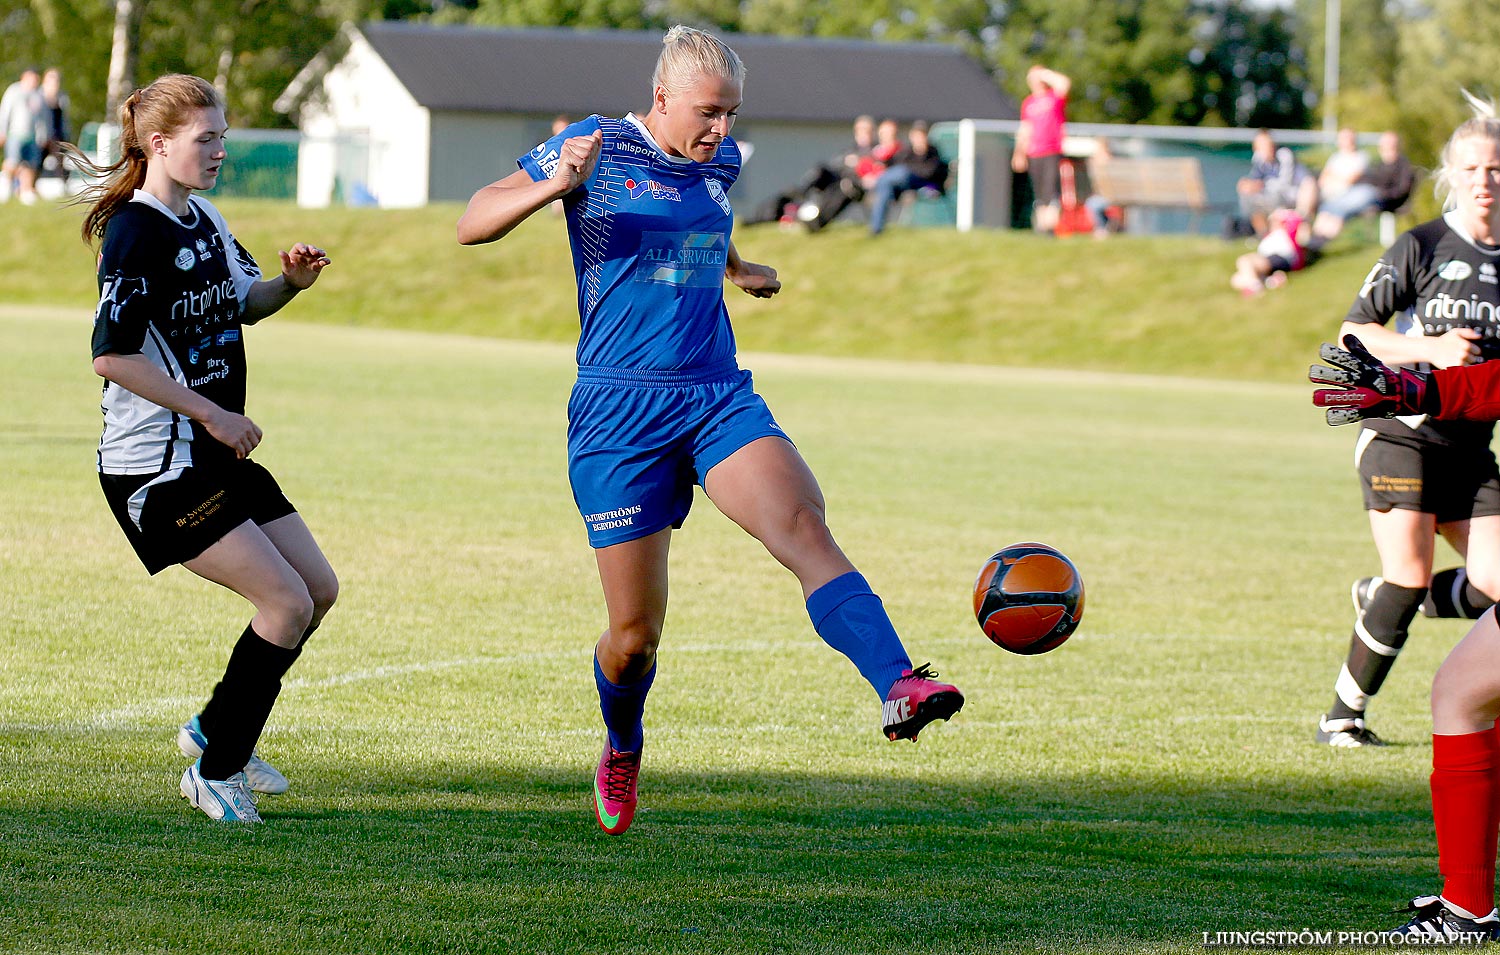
610,820
896,711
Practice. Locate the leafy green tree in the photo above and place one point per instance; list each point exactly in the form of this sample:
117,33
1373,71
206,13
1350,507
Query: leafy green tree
1121,54
1247,68
70,35
250,48
1446,46
1369,59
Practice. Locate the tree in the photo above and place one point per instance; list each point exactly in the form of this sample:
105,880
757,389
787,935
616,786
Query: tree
1446,46
72,35
1369,58
1246,68
124,53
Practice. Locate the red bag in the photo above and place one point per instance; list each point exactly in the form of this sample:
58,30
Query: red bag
1074,218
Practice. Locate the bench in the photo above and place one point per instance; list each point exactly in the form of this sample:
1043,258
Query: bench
926,206
1162,182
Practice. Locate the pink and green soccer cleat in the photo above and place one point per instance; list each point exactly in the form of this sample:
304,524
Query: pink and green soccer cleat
614,789
916,700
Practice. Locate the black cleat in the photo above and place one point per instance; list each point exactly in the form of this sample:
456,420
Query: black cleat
1346,734
1434,922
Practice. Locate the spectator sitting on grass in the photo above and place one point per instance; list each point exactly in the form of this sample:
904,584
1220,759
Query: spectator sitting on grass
1279,253
1276,181
919,166
1385,186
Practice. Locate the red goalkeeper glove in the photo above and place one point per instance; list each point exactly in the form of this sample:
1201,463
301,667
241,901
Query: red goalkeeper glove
1366,388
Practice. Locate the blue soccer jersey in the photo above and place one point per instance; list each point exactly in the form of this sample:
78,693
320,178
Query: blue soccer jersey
650,238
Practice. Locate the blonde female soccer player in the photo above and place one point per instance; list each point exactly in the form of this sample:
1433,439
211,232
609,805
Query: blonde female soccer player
1432,301
1466,691
175,293
661,403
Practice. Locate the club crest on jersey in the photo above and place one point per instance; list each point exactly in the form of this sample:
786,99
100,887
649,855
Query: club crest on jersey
1455,271
716,193
639,187
185,258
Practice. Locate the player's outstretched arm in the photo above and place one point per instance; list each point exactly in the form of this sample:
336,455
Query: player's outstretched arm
300,267
1468,392
1366,388
501,206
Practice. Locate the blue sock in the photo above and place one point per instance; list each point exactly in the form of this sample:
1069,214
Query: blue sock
623,707
851,619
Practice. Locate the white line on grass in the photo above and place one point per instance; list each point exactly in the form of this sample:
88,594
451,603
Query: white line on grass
145,709
162,705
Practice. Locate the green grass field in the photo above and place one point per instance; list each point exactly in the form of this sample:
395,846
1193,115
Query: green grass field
1153,305
1151,780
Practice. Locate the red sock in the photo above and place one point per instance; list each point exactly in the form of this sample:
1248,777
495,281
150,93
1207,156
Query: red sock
1466,812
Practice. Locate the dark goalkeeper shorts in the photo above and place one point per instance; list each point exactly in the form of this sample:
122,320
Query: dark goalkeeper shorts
1452,482
175,516
1046,178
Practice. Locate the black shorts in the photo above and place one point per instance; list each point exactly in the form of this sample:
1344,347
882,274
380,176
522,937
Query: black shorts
1279,264
1045,184
173,517
1453,482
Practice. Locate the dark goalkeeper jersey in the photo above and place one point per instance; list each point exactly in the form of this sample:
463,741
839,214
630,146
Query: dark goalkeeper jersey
1435,278
172,290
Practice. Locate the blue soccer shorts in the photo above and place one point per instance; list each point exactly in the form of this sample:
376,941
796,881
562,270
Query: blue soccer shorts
639,440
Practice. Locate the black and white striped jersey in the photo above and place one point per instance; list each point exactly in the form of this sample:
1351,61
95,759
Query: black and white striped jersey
1435,278
173,290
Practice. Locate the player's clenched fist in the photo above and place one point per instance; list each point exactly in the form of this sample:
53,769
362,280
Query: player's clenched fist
576,162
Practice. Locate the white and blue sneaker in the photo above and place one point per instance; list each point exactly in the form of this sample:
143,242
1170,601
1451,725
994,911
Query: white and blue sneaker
261,775
1436,921
226,801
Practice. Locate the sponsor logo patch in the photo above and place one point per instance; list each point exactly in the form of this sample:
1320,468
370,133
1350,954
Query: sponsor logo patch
546,157
1455,271
637,188
694,259
613,518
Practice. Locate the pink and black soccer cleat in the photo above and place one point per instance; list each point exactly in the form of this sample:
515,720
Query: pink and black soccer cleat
916,700
614,789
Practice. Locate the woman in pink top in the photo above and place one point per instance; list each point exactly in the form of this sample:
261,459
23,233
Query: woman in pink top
1039,142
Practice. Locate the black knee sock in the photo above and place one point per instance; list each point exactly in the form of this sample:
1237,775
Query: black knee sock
1378,637
208,719
244,698
1451,595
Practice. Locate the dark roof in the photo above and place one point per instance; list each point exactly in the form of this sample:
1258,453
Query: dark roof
580,72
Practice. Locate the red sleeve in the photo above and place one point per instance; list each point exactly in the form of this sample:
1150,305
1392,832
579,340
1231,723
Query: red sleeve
1468,392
